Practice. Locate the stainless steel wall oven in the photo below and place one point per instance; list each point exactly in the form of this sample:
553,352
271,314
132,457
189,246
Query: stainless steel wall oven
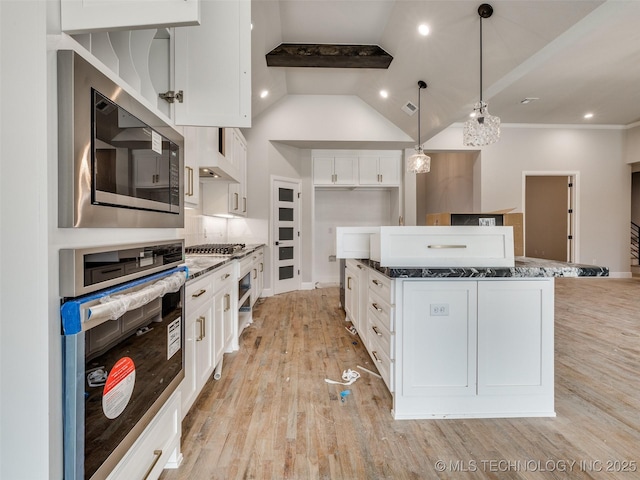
119,164
123,349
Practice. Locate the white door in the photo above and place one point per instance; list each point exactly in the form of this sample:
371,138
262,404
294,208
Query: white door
286,235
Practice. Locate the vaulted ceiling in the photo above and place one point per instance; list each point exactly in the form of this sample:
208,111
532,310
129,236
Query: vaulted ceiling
574,56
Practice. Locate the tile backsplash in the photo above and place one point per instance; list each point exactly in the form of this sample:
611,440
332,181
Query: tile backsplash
203,229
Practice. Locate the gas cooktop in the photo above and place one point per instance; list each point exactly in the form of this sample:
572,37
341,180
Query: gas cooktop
214,249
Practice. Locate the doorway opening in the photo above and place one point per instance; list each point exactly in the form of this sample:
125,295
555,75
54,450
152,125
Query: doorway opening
550,215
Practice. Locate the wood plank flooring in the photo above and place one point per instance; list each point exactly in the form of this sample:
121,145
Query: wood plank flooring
272,416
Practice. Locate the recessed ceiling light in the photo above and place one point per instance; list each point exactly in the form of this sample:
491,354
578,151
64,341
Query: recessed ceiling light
423,29
384,93
588,115
264,93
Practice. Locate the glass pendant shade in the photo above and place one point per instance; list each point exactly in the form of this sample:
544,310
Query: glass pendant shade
419,162
482,129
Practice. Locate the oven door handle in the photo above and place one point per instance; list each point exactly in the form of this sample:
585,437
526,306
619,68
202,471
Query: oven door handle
111,304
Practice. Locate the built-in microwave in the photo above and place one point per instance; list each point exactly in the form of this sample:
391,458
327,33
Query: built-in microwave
119,164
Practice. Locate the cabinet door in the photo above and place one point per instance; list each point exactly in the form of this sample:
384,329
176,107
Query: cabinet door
389,170
203,334
368,171
323,170
213,66
218,326
515,337
79,16
351,290
345,169
439,338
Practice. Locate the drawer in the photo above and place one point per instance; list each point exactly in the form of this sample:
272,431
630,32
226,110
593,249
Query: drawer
223,277
198,293
381,310
383,364
153,449
245,265
380,284
380,338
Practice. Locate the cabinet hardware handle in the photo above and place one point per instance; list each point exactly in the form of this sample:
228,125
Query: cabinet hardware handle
227,301
261,267
375,305
359,266
236,199
376,282
255,273
375,329
157,454
200,293
190,181
375,356
349,283
446,246
244,203
225,276
201,322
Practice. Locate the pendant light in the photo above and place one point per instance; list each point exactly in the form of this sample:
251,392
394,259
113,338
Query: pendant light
419,162
481,129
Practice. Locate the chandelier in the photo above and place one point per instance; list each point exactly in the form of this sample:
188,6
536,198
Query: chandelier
481,129
419,162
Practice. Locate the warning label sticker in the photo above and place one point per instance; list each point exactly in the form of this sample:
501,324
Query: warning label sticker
174,339
118,388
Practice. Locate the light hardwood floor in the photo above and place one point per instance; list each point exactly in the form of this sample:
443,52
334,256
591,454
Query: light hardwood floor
272,416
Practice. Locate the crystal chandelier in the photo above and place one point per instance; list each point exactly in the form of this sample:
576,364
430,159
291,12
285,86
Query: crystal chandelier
419,162
481,129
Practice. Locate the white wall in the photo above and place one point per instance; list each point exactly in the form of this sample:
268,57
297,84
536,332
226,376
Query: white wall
604,180
309,120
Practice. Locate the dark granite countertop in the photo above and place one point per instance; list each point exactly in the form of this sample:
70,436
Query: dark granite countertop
200,265
525,267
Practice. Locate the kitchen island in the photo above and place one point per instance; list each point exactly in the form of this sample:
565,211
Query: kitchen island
461,342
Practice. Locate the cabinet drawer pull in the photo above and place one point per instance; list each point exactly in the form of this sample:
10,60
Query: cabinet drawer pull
225,276
375,356
446,246
255,273
360,266
261,267
375,329
157,454
376,283
375,305
201,321
348,283
200,293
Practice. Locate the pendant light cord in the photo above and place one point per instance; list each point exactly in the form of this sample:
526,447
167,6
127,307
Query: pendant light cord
421,84
481,61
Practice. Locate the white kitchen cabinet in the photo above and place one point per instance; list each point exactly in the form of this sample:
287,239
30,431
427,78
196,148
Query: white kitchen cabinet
351,297
515,338
336,170
199,361
157,446
223,198
257,275
213,66
379,170
439,338
225,284
85,16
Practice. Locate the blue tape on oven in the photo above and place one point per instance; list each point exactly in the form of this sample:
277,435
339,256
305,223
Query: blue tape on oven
70,310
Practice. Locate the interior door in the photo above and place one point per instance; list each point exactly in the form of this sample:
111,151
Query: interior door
286,235
548,217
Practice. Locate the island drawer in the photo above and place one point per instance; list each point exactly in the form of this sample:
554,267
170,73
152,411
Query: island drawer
380,337
380,284
383,364
380,309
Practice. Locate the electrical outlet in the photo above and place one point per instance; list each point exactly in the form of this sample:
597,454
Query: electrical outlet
439,309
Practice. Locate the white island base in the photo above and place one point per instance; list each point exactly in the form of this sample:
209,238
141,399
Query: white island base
474,348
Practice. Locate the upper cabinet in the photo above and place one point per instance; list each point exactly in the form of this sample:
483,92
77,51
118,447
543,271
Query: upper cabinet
79,16
379,170
212,72
357,168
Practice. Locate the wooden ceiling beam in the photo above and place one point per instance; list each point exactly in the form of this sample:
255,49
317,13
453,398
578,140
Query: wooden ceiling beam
328,56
